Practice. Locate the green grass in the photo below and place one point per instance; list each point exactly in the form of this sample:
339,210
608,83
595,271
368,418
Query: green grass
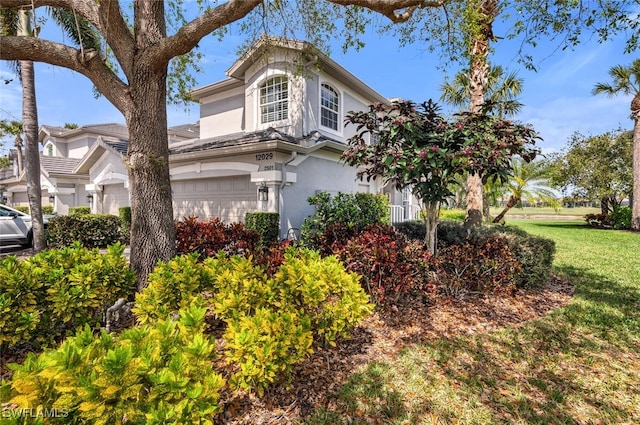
542,211
579,364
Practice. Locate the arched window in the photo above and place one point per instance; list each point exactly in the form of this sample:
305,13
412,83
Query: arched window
49,149
329,107
274,100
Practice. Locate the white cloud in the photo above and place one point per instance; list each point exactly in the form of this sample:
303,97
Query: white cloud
557,119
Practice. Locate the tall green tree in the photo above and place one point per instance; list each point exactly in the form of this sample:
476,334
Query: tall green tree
596,167
531,181
136,84
18,22
463,31
626,80
500,98
417,148
501,94
13,128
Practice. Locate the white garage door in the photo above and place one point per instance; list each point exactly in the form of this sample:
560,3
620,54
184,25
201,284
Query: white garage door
228,198
114,196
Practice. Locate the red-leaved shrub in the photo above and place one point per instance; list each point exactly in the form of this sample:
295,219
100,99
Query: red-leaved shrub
488,266
209,237
389,265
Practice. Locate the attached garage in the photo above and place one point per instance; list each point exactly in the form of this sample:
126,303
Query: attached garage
228,198
113,197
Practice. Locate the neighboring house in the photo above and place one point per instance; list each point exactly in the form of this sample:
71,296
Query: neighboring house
275,124
269,136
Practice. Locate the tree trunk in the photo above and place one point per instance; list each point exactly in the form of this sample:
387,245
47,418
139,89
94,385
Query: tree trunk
635,198
18,144
152,228
482,15
512,202
431,226
31,146
486,208
605,205
32,153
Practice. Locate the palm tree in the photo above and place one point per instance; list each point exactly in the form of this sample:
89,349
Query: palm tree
500,96
626,80
18,22
530,181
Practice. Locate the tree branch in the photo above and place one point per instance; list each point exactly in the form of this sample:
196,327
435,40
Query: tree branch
90,64
117,34
191,33
396,10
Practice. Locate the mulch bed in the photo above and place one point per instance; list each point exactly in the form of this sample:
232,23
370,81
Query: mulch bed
380,337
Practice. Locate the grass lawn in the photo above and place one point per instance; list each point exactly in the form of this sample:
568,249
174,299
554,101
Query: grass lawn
578,365
542,211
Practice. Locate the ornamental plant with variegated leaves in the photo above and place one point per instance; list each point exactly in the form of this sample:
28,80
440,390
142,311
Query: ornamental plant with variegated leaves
410,145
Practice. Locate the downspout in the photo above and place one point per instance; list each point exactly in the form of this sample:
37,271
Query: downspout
294,155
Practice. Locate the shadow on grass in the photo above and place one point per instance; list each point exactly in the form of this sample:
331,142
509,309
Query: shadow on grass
579,364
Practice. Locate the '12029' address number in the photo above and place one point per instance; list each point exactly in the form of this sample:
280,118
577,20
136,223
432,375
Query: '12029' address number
264,156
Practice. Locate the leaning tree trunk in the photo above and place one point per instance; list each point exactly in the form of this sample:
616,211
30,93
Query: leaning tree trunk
512,202
152,231
635,206
480,23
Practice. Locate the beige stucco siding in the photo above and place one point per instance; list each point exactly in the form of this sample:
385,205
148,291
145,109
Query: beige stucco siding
228,198
222,114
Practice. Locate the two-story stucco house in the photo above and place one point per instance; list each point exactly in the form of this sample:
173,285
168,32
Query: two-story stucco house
270,135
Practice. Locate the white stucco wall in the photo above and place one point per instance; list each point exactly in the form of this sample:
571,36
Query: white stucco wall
222,113
335,177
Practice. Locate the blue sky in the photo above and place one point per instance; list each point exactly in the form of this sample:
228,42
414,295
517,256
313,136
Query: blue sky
557,98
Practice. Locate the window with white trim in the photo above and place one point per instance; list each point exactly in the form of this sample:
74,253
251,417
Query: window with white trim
274,100
329,107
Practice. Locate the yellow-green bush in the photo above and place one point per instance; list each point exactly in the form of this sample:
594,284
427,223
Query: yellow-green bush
265,345
153,374
56,291
171,286
271,322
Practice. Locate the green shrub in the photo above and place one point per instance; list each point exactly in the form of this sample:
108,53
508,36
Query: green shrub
271,321
47,209
157,374
207,238
457,215
413,229
265,345
171,286
267,224
46,296
79,210
535,254
22,208
125,215
355,211
488,266
621,218
90,230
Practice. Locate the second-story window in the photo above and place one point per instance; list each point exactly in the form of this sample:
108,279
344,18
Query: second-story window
274,100
329,107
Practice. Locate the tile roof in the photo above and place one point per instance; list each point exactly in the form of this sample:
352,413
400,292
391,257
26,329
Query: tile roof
58,165
120,146
235,139
238,139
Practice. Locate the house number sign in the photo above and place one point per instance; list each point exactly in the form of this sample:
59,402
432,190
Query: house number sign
264,156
